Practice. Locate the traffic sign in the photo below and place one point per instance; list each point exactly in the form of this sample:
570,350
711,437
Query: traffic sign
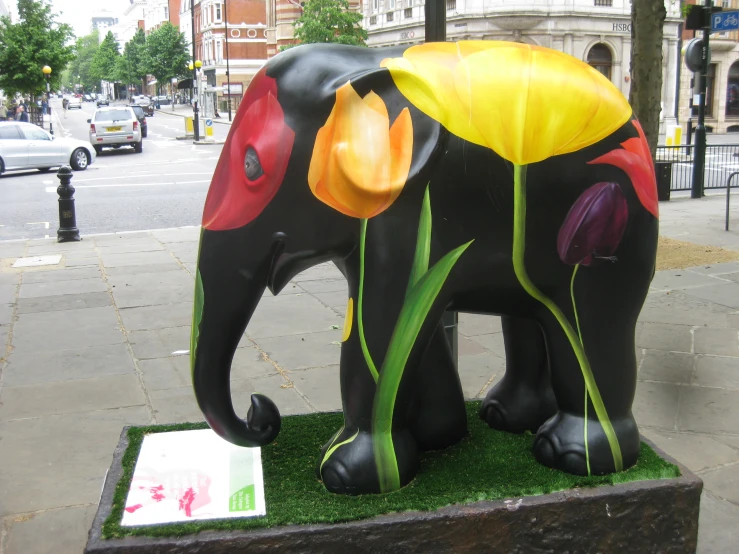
208,122
725,21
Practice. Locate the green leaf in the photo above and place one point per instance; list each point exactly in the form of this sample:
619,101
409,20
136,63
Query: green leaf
197,316
333,448
411,319
423,244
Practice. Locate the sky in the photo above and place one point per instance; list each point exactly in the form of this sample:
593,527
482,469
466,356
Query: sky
78,12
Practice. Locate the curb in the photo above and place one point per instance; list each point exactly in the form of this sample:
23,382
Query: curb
166,112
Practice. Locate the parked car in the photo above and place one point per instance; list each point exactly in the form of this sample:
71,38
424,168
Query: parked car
164,100
115,127
27,146
102,101
146,106
74,102
87,98
141,116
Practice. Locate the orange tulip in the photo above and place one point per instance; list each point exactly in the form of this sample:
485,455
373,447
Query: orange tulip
360,163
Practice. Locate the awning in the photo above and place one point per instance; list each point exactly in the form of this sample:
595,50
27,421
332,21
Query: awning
184,84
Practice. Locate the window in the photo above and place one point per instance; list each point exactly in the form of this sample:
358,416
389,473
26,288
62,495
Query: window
218,13
113,115
710,88
375,5
34,133
166,13
373,20
732,91
389,16
600,58
604,3
8,132
219,51
451,5
408,13
390,4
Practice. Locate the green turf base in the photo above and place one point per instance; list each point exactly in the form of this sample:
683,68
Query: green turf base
487,465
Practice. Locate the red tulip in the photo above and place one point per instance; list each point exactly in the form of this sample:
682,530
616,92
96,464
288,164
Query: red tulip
594,225
254,159
636,161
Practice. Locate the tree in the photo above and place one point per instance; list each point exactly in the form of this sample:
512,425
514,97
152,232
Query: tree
131,66
166,53
647,22
329,21
103,64
81,67
27,46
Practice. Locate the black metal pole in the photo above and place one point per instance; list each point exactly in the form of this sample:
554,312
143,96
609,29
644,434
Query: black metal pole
699,160
67,231
228,69
195,122
48,105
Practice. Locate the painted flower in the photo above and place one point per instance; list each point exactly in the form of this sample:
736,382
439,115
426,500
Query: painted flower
360,162
636,161
254,159
524,102
594,225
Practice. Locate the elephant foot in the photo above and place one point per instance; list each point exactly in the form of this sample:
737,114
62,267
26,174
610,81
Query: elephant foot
350,468
560,444
517,409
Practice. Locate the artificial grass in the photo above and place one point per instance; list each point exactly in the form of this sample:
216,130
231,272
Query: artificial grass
487,465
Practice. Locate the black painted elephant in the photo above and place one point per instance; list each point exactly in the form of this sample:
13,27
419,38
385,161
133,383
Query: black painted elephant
486,177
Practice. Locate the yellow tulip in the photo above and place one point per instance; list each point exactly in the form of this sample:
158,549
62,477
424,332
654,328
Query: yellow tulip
348,320
524,102
360,163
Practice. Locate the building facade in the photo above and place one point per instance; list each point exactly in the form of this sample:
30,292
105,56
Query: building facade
722,83
595,31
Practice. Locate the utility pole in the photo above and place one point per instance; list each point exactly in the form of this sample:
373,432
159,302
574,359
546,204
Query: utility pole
228,69
196,123
699,159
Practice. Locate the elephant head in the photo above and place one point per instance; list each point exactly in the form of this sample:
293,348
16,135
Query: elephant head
263,221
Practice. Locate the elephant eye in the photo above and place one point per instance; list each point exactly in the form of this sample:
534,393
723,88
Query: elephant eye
252,167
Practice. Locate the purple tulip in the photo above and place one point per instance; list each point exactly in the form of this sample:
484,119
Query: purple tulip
594,225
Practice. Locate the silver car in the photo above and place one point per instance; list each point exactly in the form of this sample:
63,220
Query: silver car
114,127
27,146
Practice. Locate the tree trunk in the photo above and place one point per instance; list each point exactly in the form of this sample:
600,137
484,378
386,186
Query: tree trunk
647,21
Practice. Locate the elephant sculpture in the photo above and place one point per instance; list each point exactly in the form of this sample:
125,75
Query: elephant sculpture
481,176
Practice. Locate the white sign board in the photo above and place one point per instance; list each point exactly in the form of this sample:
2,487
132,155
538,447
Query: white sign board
191,475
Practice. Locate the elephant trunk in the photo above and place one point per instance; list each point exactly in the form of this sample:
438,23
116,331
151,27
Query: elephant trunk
229,285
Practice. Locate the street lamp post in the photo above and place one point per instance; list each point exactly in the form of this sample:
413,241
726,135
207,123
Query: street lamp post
228,69
47,72
194,67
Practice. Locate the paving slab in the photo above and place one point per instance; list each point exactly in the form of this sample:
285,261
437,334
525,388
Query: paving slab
62,330
471,325
112,238
6,313
157,317
129,246
656,404
336,300
131,297
705,410
320,271
148,281
723,482
158,268
320,385
291,314
52,532
715,269
717,528
64,302
62,274
293,352
136,258
71,396
184,234
10,278
60,460
717,372
86,261
726,294
325,285
159,343
676,279
8,293
667,367
662,336
468,347
478,373
722,342
13,249
58,288
678,308
493,342
697,452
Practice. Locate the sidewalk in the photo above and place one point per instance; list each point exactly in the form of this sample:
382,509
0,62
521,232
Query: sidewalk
185,110
100,339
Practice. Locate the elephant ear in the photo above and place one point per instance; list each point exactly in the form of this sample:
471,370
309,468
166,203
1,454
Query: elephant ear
371,145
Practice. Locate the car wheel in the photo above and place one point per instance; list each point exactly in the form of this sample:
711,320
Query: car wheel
79,159
144,133
138,147
2,166
98,150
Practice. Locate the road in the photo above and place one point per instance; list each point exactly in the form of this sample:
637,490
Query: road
165,186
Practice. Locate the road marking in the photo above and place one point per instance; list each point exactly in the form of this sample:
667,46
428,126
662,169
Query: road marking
52,189
118,166
48,181
44,223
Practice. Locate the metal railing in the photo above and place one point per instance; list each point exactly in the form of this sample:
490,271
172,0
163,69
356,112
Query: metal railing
721,160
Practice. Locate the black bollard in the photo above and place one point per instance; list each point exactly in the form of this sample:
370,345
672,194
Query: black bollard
68,231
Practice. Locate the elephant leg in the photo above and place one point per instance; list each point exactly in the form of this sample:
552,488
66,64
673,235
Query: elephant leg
438,418
607,319
524,398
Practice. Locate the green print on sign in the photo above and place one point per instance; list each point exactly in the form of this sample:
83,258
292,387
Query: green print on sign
242,500
241,481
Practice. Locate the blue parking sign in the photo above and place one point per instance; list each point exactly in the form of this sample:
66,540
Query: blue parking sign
725,21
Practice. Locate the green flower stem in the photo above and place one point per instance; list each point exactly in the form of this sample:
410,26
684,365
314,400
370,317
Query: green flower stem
519,267
579,334
360,297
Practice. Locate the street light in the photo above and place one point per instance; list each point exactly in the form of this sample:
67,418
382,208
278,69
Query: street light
47,72
196,125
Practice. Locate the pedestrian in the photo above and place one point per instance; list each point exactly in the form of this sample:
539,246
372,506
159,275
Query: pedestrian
21,114
3,111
